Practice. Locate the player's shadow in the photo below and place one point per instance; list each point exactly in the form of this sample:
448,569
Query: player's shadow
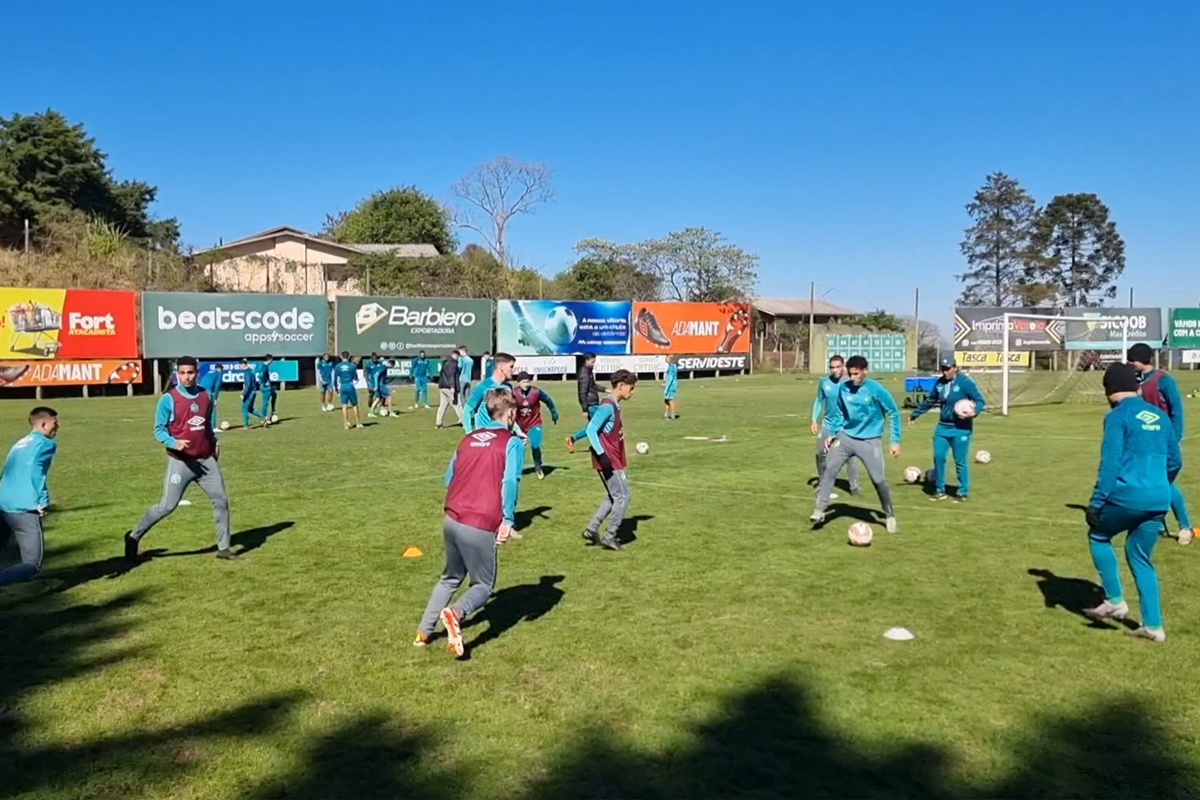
248,540
1071,594
548,469
525,516
629,526
845,511
525,602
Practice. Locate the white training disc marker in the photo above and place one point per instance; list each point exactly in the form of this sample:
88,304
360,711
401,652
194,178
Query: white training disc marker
696,438
898,634
185,502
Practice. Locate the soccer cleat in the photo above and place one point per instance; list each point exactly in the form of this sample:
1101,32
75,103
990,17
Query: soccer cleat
937,497
647,325
961,498
358,425
453,631
1107,610
1153,634
890,525
610,542
591,537
541,476
421,639
131,546
817,518
1186,535
227,555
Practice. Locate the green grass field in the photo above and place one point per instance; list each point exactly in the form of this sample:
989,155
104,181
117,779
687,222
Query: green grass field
729,651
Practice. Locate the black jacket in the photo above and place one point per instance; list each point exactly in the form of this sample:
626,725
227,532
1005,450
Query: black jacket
448,376
589,394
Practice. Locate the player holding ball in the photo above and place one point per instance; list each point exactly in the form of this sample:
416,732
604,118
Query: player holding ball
960,402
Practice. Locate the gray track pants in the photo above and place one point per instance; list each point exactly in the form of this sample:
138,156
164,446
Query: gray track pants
446,400
823,457
616,503
469,551
180,474
870,453
26,528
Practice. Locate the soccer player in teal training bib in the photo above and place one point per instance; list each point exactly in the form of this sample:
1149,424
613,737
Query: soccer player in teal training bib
671,388
953,432
855,423
1159,389
529,416
24,495
1132,495
344,376
420,376
475,415
827,391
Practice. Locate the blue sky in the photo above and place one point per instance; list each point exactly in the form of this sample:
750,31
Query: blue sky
839,141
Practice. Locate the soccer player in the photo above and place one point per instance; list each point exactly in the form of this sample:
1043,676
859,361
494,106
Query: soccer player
465,365
475,413
529,416
481,501
485,365
211,382
448,386
589,393
827,391
953,432
671,388
370,368
344,376
854,423
384,398
606,437
325,381
1159,389
263,376
185,424
1133,492
24,495
249,394
420,375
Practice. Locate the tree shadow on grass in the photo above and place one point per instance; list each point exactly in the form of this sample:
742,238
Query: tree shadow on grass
525,602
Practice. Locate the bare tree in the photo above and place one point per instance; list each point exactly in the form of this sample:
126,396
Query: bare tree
494,193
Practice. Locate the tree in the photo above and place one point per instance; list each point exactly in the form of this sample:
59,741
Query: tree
880,320
606,271
52,171
997,245
403,215
494,193
1079,252
694,264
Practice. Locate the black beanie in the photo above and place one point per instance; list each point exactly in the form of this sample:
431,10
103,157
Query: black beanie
1140,353
1120,378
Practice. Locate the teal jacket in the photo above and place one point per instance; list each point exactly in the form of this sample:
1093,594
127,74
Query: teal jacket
861,409
476,415
23,484
945,394
1137,457
827,391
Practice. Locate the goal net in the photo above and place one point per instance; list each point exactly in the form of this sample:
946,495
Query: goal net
1049,359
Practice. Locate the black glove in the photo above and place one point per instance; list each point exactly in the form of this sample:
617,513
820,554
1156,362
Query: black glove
1092,515
606,465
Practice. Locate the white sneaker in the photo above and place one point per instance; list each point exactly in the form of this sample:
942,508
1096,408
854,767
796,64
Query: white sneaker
891,525
1107,610
1186,535
1153,634
817,517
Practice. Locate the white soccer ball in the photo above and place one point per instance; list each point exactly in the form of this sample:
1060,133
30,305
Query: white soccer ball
643,447
860,534
983,457
913,474
274,418
964,409
383,412
225,425
560,326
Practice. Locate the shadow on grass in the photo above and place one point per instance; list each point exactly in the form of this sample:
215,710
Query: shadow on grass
525,602
844,511
248,540
629,527
525,516
1073,595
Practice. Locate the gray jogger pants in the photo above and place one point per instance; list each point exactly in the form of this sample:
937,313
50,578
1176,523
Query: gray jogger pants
615,504
26,528
446,400
180,474
469,551
870,453
823,458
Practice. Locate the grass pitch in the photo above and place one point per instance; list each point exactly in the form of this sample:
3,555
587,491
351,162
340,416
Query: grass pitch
730,651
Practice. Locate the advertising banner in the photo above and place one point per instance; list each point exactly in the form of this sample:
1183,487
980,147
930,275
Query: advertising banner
982,328
404,326
992,358
546,365
549,327
67,323
884,352
209,324
691,328
1191,356
69,373
606,365
1094,333
716,362
282,371
1184,328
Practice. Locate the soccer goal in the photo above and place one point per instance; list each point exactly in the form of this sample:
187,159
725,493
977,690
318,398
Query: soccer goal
1053,358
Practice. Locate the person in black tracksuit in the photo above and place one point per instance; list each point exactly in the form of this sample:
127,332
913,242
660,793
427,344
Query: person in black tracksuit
589,394
448,388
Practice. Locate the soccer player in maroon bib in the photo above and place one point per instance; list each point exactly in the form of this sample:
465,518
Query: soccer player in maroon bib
529,416
1159,389
185,423
481,501
606,436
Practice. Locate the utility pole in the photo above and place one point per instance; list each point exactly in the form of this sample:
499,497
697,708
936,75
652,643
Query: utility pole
812,312
917,324
26,235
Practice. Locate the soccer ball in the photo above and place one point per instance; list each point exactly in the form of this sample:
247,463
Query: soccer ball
274,418
560,326
383,412
860,534
225,425
913,474
964,409
983,457
643,448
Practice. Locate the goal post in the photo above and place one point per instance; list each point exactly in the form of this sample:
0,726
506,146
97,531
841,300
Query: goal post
1080,338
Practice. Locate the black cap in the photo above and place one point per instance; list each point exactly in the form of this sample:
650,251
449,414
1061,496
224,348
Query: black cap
1141,353
524,376
1120,378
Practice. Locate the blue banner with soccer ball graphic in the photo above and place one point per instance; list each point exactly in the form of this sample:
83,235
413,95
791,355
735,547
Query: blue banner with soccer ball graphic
561,327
